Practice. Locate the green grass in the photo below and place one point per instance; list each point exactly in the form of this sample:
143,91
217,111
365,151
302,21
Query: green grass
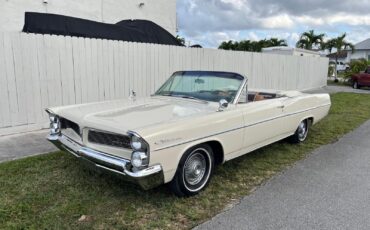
52,191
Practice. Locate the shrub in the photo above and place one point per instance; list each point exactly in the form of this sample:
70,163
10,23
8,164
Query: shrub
356,66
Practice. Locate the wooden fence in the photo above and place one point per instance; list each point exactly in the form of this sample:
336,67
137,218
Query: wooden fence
39,71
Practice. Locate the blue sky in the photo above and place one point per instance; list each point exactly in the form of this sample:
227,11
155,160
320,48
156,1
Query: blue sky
209,22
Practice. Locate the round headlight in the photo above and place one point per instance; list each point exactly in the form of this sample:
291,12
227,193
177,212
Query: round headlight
137,143
52,118
137,159
54,124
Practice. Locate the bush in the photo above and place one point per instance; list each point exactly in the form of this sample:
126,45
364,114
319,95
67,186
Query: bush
356,66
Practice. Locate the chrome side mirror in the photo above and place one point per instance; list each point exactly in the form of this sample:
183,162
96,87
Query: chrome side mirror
222,104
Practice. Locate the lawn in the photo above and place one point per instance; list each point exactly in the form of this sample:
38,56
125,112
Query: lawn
53,191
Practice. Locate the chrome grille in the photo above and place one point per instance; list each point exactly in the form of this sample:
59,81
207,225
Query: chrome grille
110,139
67,124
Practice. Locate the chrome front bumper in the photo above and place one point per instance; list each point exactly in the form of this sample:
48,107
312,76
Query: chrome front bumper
146,178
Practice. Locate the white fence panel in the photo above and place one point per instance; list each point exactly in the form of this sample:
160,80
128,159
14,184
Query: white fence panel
39,71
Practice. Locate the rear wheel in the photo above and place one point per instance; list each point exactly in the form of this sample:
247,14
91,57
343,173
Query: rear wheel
356,85
194,171
301,133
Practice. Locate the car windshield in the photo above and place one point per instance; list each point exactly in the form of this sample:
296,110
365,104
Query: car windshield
202,85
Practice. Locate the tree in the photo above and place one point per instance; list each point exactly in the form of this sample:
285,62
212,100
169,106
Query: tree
309,39
252,46
339,44
181,40
229,45
276,42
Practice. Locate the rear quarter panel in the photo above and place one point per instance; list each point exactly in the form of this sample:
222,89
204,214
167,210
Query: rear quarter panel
305,106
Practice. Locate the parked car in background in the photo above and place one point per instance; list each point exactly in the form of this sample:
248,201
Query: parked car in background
341,66
361,79
195,121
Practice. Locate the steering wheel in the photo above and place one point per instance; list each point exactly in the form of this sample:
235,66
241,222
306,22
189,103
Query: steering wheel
219,92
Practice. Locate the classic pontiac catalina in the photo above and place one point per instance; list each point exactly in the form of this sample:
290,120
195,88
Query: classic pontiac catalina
195,121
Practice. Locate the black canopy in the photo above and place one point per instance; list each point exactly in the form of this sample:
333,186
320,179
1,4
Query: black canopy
126,30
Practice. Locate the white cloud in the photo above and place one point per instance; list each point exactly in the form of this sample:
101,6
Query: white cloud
209,21
213,39
358,35
277,22
354,20
239,4
253,36
308,20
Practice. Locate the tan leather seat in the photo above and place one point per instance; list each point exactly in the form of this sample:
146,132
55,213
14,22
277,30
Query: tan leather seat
259,97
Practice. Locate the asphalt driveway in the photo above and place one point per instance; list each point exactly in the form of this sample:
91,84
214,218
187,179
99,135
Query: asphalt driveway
330,189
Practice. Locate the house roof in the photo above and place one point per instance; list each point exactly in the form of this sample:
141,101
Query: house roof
342,54
364,45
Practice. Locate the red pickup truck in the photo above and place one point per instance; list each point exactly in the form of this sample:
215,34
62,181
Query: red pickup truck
361,79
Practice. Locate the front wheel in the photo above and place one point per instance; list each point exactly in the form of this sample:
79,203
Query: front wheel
194,171
301,133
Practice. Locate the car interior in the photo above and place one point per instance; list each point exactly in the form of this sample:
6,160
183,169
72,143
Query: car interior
258,96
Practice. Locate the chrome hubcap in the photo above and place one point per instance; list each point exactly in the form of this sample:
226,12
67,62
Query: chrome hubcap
195,168
302,131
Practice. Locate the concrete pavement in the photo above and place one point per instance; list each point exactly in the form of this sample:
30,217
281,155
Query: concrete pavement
330,189
23,145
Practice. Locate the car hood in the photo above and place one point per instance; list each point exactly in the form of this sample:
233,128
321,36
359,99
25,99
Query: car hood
124,115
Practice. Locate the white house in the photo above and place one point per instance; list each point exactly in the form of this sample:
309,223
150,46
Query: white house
362,50
284,50
162,12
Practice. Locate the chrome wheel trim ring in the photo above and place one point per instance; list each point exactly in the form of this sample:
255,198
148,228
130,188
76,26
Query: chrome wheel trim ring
195,163
302,131
195,168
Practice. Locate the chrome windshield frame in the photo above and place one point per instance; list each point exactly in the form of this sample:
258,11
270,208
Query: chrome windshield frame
237,95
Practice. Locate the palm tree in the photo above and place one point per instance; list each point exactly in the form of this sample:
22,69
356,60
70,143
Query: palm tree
276,42
309,39
339,44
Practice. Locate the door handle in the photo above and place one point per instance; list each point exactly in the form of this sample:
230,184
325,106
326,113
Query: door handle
281,106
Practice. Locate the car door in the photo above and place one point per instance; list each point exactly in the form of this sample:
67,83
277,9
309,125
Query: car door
262,123
365,77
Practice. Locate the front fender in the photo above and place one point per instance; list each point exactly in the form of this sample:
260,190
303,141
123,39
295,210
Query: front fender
170,157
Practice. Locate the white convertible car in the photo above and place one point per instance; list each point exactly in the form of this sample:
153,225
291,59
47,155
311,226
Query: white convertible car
194,122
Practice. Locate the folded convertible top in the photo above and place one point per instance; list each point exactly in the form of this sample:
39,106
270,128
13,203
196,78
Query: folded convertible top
126,30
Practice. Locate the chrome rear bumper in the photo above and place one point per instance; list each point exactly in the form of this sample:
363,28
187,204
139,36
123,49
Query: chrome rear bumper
147,178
